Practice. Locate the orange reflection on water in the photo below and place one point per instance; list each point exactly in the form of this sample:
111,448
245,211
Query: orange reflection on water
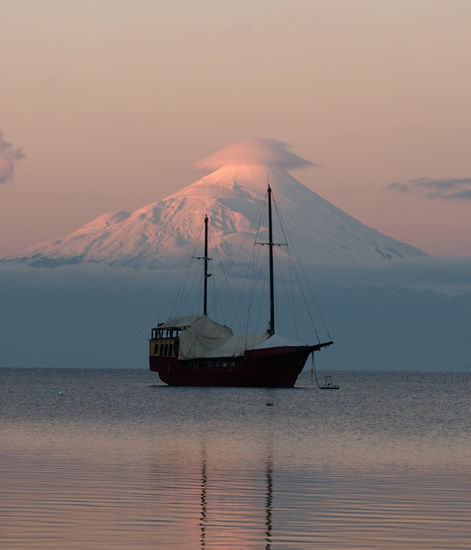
100,490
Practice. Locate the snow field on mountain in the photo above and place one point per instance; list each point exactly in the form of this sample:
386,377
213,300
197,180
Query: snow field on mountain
164,233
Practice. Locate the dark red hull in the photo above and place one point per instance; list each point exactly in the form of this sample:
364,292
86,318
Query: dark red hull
270,367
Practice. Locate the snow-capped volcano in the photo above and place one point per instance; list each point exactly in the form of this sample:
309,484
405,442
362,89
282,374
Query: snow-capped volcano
163,234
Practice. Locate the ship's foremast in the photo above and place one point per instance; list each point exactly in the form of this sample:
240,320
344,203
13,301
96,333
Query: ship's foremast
206,259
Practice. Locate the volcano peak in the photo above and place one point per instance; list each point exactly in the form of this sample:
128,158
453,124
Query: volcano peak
163,233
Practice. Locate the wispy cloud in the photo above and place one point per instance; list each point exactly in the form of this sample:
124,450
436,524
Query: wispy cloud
254,151
452,189
8,157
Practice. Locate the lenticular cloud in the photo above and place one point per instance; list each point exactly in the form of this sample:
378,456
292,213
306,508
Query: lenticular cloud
8,157
268,152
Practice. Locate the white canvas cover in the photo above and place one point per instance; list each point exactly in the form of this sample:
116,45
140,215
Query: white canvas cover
181,322
200,336
235,346
276,341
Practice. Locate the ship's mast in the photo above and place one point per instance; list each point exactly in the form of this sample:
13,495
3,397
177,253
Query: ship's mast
206,275
206,259
271,324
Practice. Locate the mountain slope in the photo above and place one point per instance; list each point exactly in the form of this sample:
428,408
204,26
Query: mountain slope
163,234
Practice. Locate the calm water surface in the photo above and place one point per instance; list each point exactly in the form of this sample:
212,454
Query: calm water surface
112,459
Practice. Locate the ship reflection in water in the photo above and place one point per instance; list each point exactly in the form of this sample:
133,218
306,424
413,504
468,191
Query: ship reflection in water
112,462
268,501
205,518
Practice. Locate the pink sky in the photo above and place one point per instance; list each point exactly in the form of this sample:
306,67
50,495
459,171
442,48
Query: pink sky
112,103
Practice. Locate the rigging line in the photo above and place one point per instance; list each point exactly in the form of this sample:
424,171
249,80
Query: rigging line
314,299
215,289
181,288
250,297
302,285
251,266
314,370
263,291
235,259
214,306
306,280
292,272
229,271
220,284
256,279
288,290
281,283
179,298
250,278
197,295
287,281
244,293
194,293
257,299
294,256
253,281
215,309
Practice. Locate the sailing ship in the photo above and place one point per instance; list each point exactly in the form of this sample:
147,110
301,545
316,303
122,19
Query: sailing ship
195,350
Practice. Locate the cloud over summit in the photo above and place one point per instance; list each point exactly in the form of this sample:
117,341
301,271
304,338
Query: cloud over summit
268,152
8,156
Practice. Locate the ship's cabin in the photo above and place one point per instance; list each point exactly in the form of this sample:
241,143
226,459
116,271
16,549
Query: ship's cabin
164,342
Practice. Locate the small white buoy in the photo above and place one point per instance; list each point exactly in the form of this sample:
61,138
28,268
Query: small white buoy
59,393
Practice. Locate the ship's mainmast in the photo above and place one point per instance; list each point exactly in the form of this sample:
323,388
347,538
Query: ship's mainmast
270,244
206,274
271,323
